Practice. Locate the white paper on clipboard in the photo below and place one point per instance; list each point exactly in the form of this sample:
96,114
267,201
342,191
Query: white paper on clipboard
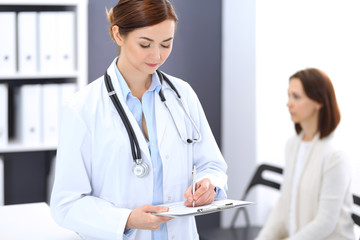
178,209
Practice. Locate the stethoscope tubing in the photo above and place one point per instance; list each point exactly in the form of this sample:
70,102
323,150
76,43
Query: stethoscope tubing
135,148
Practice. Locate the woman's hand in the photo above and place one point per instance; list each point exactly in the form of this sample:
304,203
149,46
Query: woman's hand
141,218
204,193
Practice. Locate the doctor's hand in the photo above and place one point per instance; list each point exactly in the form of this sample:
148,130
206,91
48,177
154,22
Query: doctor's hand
204,193
141,218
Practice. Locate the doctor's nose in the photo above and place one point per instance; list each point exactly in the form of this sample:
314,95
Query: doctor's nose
155,53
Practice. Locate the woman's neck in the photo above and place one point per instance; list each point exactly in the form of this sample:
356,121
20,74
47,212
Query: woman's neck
309,130
137,82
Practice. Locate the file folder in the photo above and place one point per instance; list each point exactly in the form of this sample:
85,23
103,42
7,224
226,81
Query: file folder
50,103
47,42
27,42
7,43
65,29
28,116
178,209
3,115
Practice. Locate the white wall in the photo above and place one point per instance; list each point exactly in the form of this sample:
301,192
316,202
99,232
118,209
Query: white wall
290,35
238,96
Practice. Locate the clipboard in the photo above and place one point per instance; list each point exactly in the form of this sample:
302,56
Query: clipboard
178,209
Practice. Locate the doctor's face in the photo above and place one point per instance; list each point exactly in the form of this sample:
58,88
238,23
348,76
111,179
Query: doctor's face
146,49
302,109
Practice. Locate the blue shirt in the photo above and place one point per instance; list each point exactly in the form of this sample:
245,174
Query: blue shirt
146,107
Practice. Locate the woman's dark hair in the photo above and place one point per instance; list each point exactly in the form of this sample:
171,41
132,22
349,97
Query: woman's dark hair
129,15
318,87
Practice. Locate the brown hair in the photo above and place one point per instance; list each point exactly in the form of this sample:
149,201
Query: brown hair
318,87
129,15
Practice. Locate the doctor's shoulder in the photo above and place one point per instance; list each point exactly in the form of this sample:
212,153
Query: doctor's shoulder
85,97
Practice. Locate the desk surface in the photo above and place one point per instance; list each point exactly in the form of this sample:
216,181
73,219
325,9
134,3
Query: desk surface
31,222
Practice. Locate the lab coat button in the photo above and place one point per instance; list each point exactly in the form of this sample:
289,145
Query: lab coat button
169,198
167,157
172,237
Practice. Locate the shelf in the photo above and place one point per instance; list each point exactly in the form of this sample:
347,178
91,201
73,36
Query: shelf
13,147
43,2
18,76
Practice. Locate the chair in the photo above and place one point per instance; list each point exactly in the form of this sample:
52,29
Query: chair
354,216
247,232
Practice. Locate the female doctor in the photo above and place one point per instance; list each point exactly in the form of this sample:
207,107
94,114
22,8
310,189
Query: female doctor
127,143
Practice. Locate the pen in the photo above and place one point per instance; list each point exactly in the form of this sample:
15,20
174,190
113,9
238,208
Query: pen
193,183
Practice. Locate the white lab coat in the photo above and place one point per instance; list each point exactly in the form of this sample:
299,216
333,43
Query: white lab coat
95,189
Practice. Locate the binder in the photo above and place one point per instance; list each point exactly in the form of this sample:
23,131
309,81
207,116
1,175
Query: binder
65,28
7,43
47,42
3,115
57,42
28,114
27,42
178,209
50,103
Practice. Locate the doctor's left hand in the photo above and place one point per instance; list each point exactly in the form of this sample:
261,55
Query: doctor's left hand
141,218
204,193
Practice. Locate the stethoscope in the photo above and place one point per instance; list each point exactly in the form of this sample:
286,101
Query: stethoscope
140,168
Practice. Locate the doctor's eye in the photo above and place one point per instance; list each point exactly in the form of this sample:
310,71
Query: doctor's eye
165,46
144,46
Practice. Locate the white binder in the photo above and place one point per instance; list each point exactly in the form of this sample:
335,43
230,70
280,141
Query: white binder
28,117
27,42
47,42
65,29
50,103
7,43
3,115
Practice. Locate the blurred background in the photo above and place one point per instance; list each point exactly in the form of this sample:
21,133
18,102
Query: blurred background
238,56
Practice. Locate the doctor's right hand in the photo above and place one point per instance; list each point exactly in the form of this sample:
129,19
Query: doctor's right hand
141,218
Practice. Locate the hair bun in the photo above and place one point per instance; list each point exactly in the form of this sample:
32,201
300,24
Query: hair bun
110,18
110,15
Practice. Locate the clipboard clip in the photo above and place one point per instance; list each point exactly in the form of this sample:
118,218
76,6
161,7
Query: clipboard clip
215,208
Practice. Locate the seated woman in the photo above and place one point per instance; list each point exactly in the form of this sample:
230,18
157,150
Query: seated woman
315,201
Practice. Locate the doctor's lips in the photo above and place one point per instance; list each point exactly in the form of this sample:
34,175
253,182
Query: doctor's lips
151,65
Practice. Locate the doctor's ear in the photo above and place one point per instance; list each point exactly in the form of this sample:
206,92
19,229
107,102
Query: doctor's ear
117,36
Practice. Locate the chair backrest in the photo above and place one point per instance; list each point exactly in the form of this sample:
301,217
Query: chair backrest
257,179
355,217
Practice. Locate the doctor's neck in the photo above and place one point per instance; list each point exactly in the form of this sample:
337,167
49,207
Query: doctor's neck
137,81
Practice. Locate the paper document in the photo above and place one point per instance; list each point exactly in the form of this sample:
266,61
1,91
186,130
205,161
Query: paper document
178,209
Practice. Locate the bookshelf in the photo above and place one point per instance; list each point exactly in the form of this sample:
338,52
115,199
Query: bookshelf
44,43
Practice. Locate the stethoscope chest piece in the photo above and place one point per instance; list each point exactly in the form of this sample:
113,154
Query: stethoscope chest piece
140,169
